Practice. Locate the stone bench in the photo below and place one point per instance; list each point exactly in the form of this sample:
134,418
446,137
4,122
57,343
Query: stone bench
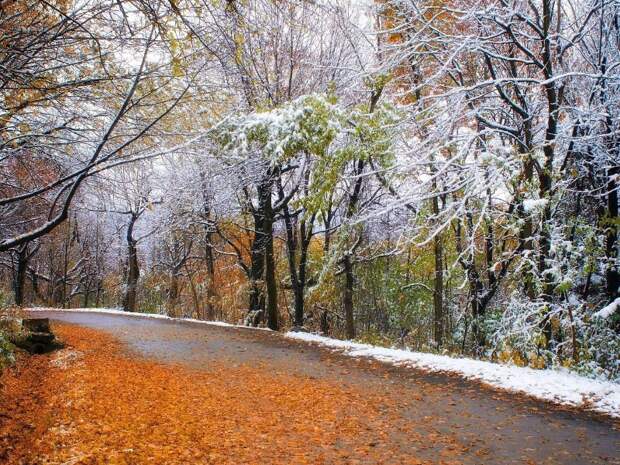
37,336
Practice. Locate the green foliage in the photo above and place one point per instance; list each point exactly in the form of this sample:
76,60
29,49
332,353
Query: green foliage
315,126
376,83
306,125
394,297
364,136
600,350
9,330
152,294
6,299
7,356
376,338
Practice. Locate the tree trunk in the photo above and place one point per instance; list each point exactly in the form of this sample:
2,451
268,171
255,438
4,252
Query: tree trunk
173,290
65,267
305,233
478,302
209,258
291,249
197,311
270,268
133,269
328,216
347,300
347,260
98,293
86,301
297,272
438,283
477,309
611,242
211,295
34,280
545,174
19,279
257,266
352,206
438,291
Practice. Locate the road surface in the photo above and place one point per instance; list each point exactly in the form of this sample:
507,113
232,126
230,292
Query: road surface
491,427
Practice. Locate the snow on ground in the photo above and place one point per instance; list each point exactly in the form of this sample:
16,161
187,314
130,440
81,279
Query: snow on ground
609,310
559,386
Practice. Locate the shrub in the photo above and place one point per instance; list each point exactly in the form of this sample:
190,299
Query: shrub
10,329
7,356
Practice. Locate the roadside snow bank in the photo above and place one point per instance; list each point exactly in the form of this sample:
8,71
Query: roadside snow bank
559,386
116,311
607,311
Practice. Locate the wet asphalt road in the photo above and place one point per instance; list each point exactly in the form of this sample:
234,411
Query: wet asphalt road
493,427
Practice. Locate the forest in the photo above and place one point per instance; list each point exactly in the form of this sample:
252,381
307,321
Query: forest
440,176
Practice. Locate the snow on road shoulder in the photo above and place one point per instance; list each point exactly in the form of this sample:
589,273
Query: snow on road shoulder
559,386
607,311
116,311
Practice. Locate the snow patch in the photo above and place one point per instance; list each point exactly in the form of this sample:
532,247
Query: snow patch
530,205
65,358
608,310
559,386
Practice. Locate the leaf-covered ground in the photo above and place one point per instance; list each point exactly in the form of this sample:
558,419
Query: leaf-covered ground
92,403
149,391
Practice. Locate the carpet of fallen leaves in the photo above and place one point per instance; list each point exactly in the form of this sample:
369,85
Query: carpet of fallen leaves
93,403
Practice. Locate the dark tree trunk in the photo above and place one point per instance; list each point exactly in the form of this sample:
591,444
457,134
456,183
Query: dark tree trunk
489,252
21,267
327,237
478,298
353,201
328,216
270,267
211,294
438,283
65,268
612,274
477,309
262,256
133,269
613,277
438,291
297,271
347,260
546,173
209,256
98,293
291,249
34,280
173,289
257,257
347,300
87,293
306,237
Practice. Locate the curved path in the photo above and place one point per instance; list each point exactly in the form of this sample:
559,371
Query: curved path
490,427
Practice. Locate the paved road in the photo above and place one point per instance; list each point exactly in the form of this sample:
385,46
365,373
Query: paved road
495,428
